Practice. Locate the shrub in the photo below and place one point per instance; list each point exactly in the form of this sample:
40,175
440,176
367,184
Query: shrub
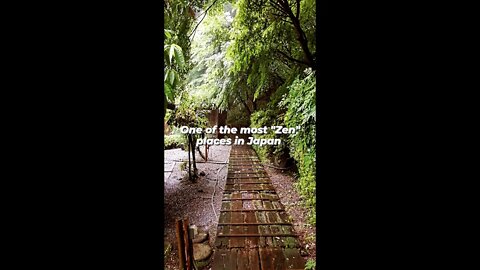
272,115
174,141
310,265
292,106
301,111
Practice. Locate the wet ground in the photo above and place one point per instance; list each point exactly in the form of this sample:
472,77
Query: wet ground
183,198
283,183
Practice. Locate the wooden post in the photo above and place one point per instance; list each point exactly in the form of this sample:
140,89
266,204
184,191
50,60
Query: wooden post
185,240
180,244
184,245
188,249
190,245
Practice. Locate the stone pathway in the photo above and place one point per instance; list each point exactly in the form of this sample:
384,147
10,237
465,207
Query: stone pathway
254,231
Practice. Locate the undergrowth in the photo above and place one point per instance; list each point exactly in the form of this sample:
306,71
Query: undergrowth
293,106
271,115
174,141
310,265
301,111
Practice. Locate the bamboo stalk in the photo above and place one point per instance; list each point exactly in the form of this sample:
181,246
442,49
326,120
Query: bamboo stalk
188,246
180,245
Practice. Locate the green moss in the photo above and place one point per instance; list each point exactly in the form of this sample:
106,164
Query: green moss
290,242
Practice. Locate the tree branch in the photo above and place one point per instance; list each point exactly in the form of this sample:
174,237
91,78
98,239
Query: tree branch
292,59
278,7
284,4
279,78
302,38
279,15
286,21
243,101
281,18
246,106
205,14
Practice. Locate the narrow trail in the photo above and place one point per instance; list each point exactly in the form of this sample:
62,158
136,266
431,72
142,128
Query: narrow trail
254,231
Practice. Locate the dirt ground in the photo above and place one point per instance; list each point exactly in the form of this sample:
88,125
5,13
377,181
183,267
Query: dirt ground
283,183
194,200
183,198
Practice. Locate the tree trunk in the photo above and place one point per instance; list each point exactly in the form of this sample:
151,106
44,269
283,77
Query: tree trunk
284,7
302,38
200,152
246,106
189,164
192,143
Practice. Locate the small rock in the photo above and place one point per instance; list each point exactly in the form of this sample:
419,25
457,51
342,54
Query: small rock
194,230
200,237
201,252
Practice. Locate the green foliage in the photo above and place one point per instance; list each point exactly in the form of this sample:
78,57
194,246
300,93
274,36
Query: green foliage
311,264
264,35
168,92
259,119
247,57
183,166
175,141
301,107
209,80
236,116
179,15
174,52
270,115
190,114
174,69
